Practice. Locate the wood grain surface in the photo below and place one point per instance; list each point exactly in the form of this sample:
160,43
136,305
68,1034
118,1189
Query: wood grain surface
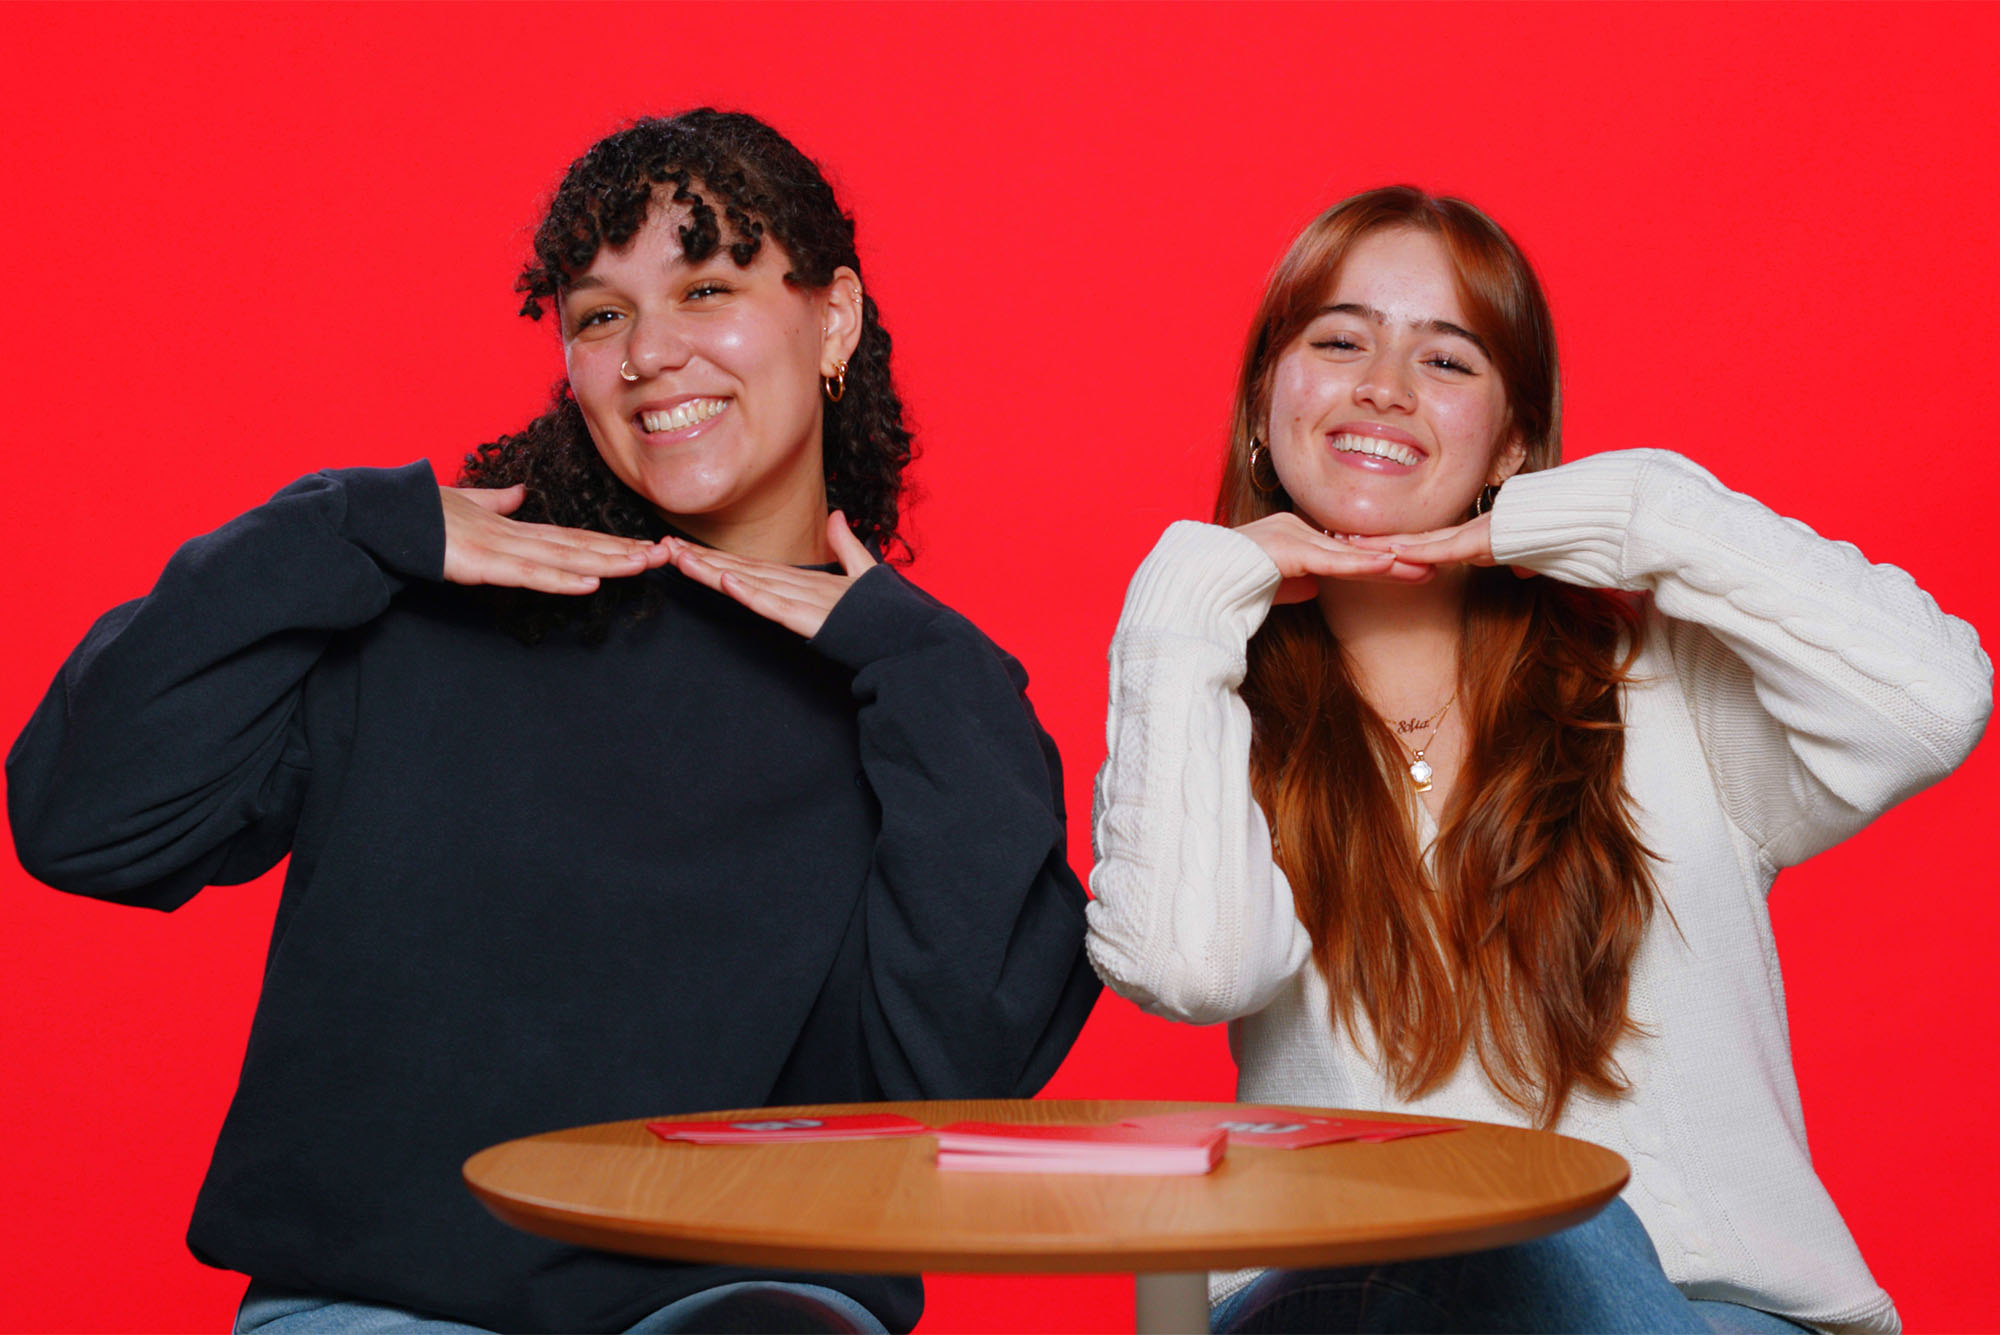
883,1205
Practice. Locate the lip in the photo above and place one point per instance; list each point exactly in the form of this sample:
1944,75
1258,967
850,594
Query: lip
679,434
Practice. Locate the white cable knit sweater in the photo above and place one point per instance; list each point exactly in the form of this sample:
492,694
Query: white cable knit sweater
1786,693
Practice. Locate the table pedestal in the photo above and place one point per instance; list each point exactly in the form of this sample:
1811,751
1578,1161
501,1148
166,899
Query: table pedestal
1171,1303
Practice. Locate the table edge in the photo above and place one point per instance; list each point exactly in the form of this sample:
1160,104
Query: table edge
768,1247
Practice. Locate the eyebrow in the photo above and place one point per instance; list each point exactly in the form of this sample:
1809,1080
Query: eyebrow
590,282
1434,326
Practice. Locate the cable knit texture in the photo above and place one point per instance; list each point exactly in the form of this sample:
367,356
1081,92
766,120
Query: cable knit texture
1786,693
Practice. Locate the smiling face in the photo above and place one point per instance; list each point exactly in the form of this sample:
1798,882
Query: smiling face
700,383
1387,415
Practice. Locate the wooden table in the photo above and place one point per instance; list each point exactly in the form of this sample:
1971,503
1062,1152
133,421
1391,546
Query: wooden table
882,1206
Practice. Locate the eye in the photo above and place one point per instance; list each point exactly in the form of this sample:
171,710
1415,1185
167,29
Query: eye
1336,343
590,323
706,287
1444,361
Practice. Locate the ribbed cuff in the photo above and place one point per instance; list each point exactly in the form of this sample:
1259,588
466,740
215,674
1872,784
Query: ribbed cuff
396,516
1571,522
881,615
1202,580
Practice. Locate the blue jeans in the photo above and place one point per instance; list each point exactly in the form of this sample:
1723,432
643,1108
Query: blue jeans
1601,1276
766,1306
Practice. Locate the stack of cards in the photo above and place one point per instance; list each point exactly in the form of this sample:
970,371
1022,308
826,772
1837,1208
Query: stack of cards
861,1126
1169,1143
1283,1129
997,1147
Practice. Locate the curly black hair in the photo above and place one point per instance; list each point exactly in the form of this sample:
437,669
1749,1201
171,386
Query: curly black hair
764,187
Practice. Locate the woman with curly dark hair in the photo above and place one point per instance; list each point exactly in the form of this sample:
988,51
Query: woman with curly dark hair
591,463
622,779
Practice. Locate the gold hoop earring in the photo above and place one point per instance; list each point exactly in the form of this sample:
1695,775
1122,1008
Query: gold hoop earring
1258,454
1483,502
627,374
835,385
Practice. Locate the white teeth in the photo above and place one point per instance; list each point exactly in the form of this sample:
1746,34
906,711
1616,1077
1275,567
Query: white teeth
1381,449
682,414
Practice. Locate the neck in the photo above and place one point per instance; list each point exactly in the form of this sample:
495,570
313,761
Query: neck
1401,638
793,535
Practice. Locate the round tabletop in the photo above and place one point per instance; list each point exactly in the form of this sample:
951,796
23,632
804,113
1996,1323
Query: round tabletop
883,1206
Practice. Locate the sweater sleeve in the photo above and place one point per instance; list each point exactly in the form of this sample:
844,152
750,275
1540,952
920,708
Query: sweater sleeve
974,921
1823,689
169,752
1191,918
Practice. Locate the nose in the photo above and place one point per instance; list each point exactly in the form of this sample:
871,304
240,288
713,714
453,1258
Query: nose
656,344
1386,384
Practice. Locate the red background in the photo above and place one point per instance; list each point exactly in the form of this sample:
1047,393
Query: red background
250,242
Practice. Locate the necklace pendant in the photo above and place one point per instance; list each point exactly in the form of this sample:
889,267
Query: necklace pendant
1420,774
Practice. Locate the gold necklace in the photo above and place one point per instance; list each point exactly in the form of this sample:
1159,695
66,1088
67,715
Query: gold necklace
1403,727
1421,772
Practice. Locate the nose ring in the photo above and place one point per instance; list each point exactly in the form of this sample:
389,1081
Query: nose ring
627,374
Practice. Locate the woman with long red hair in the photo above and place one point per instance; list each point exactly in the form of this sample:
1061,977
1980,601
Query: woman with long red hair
1444,837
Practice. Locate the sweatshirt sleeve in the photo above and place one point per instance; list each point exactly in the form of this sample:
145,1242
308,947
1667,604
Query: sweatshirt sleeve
1823,689
974,921
1190,917
169,753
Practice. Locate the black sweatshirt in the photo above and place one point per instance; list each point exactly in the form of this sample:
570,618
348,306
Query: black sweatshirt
703,864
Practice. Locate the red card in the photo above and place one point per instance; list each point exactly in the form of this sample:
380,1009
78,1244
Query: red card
765,1131
1287,1130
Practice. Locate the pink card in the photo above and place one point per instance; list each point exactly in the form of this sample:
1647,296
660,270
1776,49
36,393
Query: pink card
852,1126
1125,1163
1283,1129
1119,1147
1037,1137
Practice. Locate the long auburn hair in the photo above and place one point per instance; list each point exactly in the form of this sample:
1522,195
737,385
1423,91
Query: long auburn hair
1517,943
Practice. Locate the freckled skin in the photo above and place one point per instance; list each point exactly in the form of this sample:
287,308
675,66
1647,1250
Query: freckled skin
751,478
1435,387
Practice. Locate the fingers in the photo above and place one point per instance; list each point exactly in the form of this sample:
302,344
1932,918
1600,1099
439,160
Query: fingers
803,616
1463,544
1399,571
1341,562
482,546
587,540
854,558
482,510
694,562
1371,566
1462,548
1304,556
710,564
797,599
529,563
